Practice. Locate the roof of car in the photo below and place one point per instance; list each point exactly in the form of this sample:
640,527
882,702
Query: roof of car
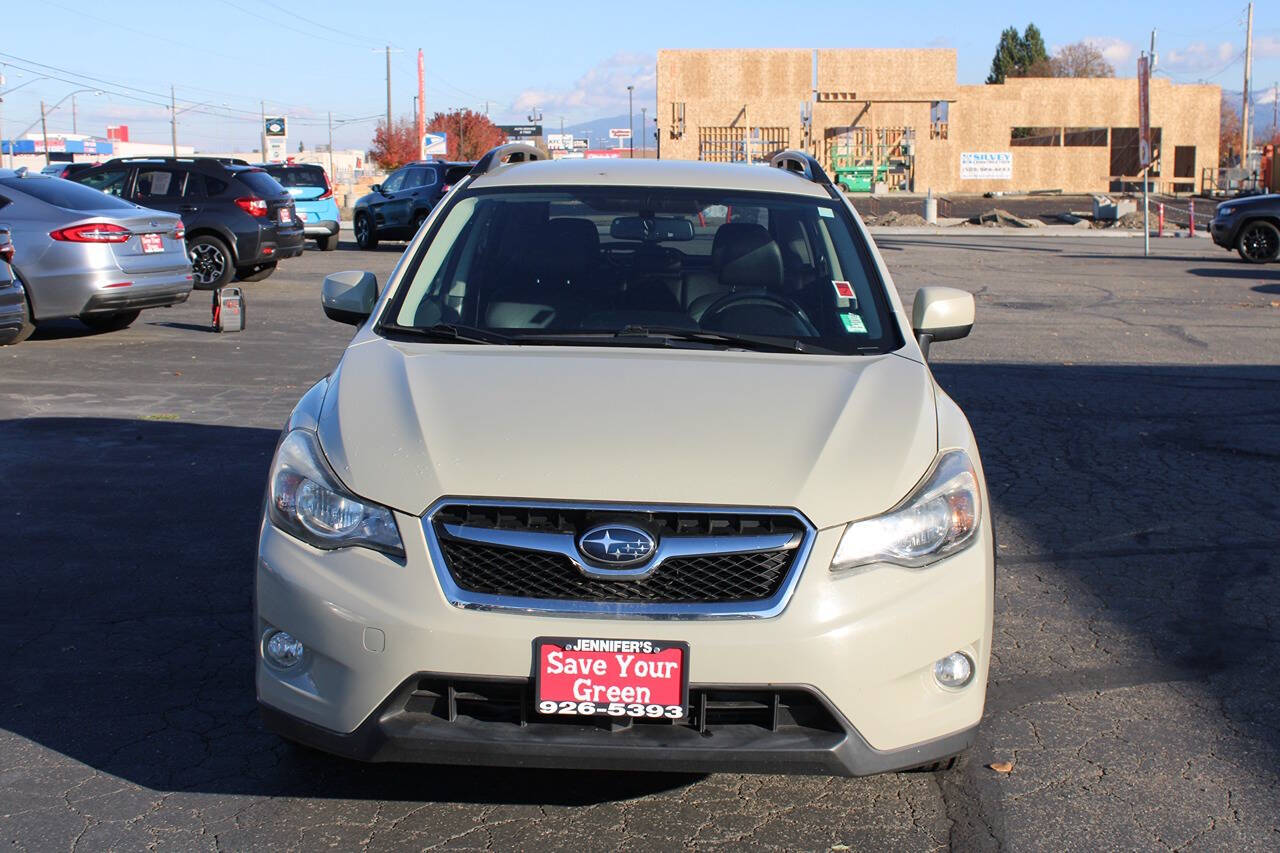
664,173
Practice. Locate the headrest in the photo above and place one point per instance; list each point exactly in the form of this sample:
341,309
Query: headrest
566,247
749,258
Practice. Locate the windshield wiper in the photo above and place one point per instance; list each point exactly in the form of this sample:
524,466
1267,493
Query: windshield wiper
754,342
449,332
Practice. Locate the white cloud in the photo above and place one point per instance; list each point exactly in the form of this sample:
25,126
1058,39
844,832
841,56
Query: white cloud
1198,56
1266,47
1118,52
602,90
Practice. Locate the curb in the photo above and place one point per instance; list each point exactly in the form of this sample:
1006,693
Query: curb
1044,231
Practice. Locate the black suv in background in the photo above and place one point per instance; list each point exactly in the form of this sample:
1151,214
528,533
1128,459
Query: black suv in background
397,207
240,222
1250,225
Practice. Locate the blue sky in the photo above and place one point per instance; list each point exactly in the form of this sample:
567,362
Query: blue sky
570,59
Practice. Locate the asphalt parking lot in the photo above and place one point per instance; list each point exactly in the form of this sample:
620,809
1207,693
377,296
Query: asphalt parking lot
1129,416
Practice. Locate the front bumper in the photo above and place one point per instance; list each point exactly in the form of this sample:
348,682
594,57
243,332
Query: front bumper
863,643
1223,232
12,309
406,729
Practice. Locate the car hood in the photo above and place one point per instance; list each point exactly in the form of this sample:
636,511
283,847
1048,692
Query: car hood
1263,200
838,438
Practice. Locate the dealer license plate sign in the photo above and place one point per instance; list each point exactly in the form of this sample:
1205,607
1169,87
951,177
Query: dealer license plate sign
577,676
285,215
152,243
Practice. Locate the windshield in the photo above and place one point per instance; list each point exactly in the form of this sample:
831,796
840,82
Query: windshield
646,266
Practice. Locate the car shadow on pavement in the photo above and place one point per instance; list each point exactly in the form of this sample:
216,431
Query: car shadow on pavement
1242,270
126,599
1136,520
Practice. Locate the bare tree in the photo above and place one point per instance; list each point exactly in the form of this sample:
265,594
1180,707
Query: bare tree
1080,60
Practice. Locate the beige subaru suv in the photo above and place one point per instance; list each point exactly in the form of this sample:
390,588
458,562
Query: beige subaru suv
631,465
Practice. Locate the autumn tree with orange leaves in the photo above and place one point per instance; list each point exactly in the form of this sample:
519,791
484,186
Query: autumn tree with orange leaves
393,149
470,134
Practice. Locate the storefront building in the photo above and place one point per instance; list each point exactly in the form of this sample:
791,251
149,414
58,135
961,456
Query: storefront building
897,119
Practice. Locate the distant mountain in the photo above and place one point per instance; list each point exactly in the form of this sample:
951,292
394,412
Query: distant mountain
597,130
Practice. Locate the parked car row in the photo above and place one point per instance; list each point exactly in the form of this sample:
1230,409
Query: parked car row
75,252
240,222
103,241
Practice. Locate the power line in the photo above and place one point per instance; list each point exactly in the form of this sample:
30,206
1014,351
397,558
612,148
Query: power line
294,15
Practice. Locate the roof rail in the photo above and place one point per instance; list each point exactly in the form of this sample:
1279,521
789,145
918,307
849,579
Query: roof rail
514,152
804,165
194,158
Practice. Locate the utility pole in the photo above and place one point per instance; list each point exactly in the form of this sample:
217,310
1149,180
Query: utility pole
631,123
1248,67
330,146
1275,108
262,126
1146,169
73,116
644,129
44,131
388,90
173,120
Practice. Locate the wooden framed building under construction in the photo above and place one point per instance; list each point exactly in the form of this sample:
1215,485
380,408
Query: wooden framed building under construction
896,119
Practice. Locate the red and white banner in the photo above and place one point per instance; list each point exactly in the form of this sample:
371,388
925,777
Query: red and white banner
1144,112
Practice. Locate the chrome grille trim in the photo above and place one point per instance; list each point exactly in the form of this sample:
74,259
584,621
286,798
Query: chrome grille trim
669,547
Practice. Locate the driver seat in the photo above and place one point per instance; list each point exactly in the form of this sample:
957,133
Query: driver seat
748,261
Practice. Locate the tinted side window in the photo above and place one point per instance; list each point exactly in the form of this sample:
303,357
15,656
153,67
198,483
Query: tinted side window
456,173
65,194
159,184
110,181
203,186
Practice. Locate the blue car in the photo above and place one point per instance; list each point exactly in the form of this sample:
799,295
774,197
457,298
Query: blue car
313,198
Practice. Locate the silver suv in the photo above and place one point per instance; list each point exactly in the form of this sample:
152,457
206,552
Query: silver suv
634,465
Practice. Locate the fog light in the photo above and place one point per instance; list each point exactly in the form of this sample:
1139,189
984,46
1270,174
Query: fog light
955,670
283,650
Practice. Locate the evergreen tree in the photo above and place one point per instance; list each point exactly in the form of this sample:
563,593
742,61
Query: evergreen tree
1020,55
1008,51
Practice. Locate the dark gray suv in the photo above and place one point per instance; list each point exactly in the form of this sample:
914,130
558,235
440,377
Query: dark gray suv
397,207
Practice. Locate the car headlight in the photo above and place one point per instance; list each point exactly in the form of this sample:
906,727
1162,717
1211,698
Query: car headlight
940,517
308,501
1225,211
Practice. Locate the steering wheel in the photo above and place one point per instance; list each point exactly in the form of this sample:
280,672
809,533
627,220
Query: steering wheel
777,304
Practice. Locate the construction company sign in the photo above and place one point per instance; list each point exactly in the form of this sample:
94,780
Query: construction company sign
986,166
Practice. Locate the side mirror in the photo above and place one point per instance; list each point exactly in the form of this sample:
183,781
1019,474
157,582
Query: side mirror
376,188
349,297
941,314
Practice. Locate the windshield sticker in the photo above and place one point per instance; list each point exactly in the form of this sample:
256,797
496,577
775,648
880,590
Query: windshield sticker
845,297
826,213
853,324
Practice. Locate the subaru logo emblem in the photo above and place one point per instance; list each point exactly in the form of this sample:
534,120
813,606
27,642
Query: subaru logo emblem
617,545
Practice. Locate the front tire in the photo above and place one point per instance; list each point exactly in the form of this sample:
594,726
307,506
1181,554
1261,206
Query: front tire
257,273
211,263
1258,243
366,234
110,322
